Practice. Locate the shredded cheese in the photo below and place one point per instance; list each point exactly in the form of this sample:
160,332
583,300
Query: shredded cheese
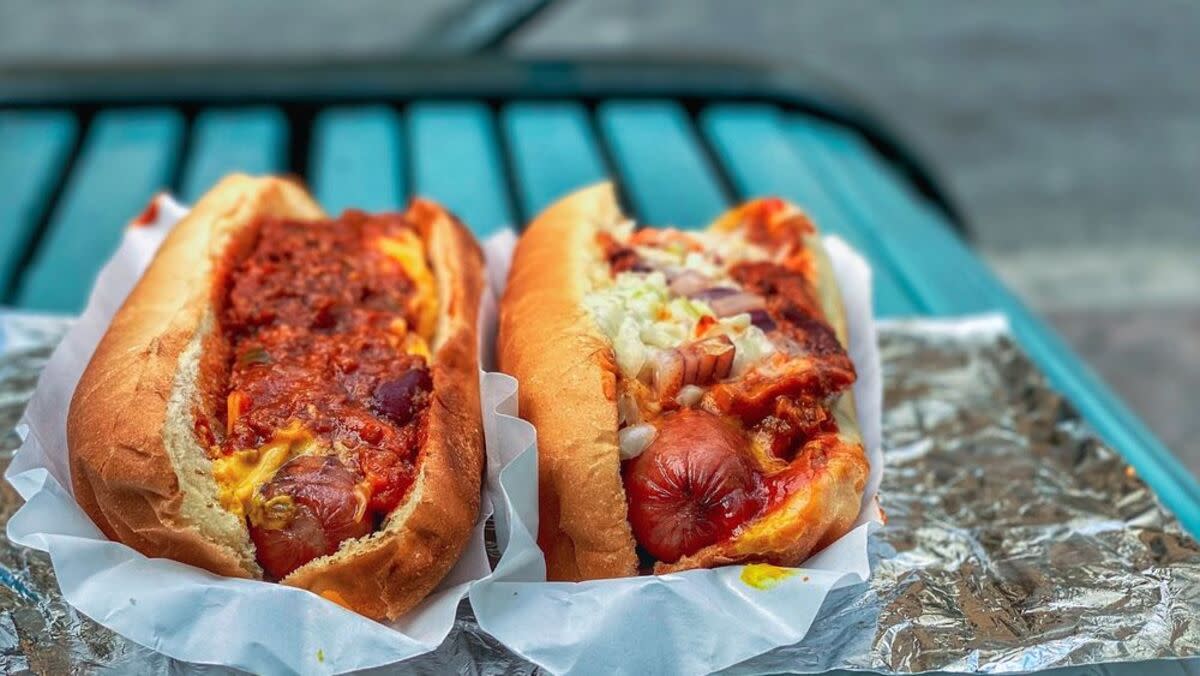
416,345
412,343
407,249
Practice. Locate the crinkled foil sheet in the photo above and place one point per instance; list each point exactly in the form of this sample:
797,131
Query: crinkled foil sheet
1016,541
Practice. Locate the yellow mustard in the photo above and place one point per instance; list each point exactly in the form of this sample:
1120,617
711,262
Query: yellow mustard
764,576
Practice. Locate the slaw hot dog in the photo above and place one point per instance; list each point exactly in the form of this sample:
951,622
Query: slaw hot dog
691,390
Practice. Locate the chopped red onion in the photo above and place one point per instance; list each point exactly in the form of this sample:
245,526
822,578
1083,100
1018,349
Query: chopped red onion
688,282
737,303
712,293
699,363
760,318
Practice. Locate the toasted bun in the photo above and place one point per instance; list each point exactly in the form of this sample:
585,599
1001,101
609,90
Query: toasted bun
567,371
139,472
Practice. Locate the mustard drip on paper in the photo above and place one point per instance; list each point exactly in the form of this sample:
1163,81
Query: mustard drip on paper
764,576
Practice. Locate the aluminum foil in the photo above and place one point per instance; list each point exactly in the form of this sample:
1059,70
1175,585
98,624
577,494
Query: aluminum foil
1016,540
39,632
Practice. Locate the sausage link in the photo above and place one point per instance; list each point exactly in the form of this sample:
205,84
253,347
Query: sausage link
693,486
311,505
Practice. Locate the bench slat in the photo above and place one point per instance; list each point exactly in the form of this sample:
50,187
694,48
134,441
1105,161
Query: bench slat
918,254
357,159
668,178
751,141
457,161
553,150
225,140
34,149
128,155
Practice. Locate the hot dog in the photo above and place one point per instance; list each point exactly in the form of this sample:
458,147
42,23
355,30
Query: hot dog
691,390
289,397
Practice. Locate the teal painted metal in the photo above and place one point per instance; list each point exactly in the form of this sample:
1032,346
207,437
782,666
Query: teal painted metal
749,140
127,156
357,159
553,151
929,259
225,140
956,282
668,178
457,161
34,147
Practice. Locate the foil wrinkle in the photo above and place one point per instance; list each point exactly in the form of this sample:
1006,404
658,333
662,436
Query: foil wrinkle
1016,540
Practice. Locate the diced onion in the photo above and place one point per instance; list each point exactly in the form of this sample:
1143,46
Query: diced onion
630,351
762,320
736,304
689,395
668,373
634,439
688,282
713,293
627,410
699,363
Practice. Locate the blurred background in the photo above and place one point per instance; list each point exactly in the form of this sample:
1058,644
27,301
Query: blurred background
1067,132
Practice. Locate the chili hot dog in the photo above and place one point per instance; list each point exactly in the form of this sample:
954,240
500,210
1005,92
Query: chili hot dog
290,397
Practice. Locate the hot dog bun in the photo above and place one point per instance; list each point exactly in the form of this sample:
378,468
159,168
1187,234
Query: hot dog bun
567,379
568,376
140,472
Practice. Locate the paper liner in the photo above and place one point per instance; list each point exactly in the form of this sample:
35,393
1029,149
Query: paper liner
685,623
182,611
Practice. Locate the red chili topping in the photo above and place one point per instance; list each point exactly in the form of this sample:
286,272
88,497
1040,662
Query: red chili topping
148,215
765,224
620,258
312,317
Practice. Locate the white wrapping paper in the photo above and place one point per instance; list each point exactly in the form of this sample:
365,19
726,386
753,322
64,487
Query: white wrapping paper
179,610
691,622
686,623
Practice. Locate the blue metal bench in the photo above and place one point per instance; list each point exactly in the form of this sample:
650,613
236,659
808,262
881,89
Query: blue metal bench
71,177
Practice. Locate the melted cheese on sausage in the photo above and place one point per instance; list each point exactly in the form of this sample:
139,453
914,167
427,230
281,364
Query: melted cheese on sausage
241,474
409,251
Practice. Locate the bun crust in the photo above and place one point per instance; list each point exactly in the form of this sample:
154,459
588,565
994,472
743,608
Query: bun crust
140,474
567,373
